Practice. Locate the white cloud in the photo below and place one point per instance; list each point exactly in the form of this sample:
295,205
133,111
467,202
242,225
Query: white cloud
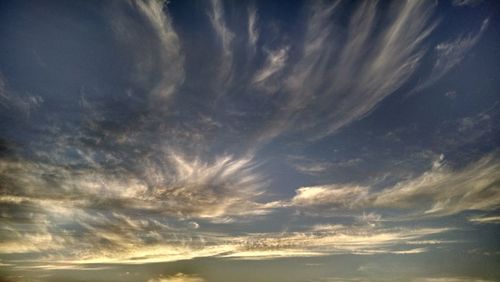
178,185
474,187
158,59
225,36
437,192
169,41
335,239
335,196
485,219
450,53
335,72
179,277
274,63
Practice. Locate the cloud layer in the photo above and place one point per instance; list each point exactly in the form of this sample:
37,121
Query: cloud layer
138,132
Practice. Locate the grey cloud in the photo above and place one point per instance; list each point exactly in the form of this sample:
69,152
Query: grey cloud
450,53
16,104
253,32
275,62
157,59
461,3
225,37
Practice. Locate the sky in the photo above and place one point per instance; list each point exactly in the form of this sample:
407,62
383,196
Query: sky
198,141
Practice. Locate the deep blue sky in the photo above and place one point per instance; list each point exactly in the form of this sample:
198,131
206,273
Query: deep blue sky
249,140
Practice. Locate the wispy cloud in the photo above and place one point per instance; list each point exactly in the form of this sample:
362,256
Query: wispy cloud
275,62
437,192
450,53
225,36
253,32
191,187
322,95
122,240
472,188
16,104
330,195
160,65
461,3
121,161
485,219
179,277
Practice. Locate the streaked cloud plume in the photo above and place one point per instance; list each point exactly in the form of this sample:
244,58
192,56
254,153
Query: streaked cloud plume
179,277
437,192
132,134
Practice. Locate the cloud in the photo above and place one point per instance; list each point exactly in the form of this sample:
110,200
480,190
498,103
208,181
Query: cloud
312,168
330,195
275,62
253,32
84,229
191,187
179,277
15,104
170,53
136,166
485,219
437,192
158,60
225,37
474,187
316,167
470,3
93,215
336,239
450,53
322,95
